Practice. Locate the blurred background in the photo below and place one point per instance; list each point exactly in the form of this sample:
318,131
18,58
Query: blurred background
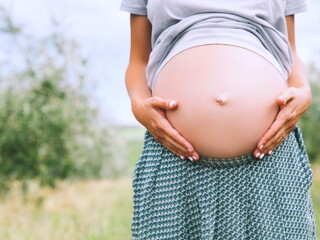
68,139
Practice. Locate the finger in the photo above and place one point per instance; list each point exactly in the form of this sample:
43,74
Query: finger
271,132
164,127
177,148
163,132
284,123
163,103
277,140
182,144
160,137
285,116
274,142
181,148
283,133
174,149
286,97
172,146
180,140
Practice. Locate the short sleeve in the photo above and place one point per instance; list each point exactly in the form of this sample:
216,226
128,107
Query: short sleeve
295,6
134,6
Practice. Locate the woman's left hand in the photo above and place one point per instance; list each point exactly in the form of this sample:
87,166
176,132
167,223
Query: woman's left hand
293,103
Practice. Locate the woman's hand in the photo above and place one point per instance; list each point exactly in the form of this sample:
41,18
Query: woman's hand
293,103
150,112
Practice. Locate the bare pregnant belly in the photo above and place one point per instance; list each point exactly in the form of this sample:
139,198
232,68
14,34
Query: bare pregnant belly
226,97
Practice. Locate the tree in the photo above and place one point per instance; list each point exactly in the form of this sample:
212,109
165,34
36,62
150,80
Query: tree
50,128
310,121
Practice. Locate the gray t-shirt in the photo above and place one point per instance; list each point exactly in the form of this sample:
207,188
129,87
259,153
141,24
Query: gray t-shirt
257,25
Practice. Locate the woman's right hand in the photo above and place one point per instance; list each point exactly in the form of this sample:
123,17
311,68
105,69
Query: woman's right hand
150,112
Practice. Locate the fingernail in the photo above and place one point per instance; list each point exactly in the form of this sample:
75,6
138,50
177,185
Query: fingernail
182,157
191,159
261,156
194,157
171,103
261,147
189,150
270,152
257,155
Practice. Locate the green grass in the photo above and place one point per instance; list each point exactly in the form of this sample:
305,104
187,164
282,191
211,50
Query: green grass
315,191
79,210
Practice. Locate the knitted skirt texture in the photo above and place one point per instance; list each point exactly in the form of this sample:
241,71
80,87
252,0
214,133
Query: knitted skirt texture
222,199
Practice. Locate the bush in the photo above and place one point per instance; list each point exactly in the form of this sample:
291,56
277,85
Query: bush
310,121
50,128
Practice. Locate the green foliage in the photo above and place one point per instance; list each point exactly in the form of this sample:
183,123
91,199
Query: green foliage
310,121
50,128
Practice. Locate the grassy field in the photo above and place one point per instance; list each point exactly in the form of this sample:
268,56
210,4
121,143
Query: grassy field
84,210
80,210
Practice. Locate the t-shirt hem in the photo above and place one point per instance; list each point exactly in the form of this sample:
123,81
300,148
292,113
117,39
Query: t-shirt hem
268,58
133,9
193,43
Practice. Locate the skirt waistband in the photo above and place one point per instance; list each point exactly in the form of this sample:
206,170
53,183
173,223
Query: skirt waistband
227,162
218,162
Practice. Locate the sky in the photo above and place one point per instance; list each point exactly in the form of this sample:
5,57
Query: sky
103,33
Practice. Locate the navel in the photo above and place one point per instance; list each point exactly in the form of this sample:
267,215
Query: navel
221,99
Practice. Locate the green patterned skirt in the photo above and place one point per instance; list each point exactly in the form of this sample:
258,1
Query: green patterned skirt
234,198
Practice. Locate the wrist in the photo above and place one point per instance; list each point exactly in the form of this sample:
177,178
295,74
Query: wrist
136,105
307,95
136,100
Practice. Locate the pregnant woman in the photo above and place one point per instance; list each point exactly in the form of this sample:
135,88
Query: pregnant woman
220,89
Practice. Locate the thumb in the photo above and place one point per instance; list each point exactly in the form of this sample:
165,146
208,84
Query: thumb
285,97
163,103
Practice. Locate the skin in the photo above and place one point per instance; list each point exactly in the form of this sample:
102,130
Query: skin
293,102
149,110
224,125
